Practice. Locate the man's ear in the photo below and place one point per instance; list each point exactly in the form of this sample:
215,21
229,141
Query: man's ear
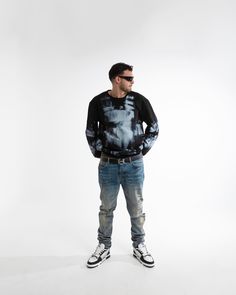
117,80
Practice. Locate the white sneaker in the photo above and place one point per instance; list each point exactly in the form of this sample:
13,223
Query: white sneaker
143,256
99,255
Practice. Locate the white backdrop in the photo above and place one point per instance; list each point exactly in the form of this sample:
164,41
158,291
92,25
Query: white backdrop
55,57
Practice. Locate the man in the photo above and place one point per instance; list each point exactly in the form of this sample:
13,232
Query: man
115,135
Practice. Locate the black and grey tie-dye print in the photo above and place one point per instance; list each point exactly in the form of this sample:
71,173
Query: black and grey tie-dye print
115,125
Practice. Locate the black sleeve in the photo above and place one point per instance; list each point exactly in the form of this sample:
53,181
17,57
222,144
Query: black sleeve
152,129
92,131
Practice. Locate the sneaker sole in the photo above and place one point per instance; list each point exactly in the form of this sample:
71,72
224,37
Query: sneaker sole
143,263
96,265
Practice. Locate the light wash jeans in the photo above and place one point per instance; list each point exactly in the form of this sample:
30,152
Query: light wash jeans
130,176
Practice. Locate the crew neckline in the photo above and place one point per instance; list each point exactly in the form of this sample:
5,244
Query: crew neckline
117,98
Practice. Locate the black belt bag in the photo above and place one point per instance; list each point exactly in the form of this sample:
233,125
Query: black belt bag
121,160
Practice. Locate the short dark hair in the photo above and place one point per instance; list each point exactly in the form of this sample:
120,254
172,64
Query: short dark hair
118,69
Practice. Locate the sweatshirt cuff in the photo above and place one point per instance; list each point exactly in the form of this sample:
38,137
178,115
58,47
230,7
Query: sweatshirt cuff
97,154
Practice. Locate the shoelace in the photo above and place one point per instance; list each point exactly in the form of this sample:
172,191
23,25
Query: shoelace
143,250
98,251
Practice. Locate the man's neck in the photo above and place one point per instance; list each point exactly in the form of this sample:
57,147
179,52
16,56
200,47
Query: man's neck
117,93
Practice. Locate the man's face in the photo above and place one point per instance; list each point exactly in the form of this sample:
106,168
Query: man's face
125,85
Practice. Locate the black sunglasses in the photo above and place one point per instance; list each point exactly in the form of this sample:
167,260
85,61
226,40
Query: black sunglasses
127,78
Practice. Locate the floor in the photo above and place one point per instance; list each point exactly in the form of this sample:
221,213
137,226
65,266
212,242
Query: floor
174,274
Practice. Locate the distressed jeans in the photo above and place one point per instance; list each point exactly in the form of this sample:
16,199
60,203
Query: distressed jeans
130,176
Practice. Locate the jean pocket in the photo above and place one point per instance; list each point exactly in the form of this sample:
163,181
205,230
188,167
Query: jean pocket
102,164
138,163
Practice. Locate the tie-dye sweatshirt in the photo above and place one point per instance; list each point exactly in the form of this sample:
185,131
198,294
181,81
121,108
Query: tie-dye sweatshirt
115,125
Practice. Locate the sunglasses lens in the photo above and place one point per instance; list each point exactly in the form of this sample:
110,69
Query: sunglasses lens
127,78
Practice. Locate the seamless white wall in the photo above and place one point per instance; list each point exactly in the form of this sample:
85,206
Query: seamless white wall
55,57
